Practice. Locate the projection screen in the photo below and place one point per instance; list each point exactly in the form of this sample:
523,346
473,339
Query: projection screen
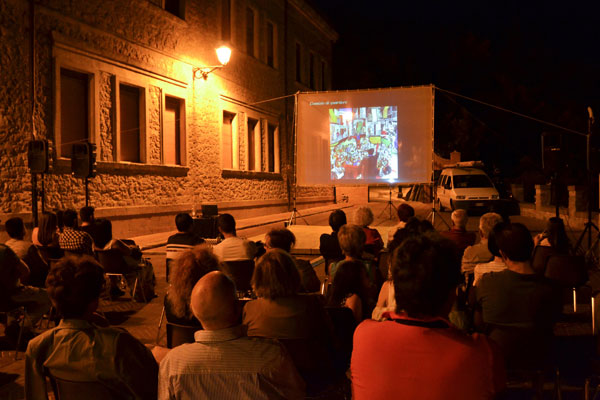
365,136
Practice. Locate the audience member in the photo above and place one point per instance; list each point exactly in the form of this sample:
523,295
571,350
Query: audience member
284,239
232,248
88,221
224,363
73,240
497,264
350,288
553,241
479,253
352,242
458,233
405,212
363,217
189,268
60,223
418,352
518,308
184,239
26,251
76,350
329,245
280,312
46,234
132,255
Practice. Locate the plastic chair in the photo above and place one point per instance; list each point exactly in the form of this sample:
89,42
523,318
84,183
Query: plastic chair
21,315
114,264
66,390
240,272
180,334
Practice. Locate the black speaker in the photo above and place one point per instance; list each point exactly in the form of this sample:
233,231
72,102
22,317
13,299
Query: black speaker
553,159
206,227
83,160
210,210
37,156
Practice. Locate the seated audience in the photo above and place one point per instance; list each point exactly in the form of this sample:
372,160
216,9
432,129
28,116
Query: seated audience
284,239
412,227
350,288
418,354
352,242
479,253
46,234
232,248
223,363
280,312
189,268
88,221
517,307
363,217
405,212
73,240
76,350
132,255
26,251
553,241
329,245
497,264
458,233
184,239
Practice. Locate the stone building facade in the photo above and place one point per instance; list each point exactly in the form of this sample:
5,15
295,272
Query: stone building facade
123,74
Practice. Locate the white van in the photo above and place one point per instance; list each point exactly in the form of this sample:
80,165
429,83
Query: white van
466,187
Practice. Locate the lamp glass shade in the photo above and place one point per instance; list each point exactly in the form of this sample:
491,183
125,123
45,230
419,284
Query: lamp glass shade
223,54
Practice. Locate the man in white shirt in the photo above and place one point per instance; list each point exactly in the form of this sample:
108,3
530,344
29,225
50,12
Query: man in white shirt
479,253
223,362
232,248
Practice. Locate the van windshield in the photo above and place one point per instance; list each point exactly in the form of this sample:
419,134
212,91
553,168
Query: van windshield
471,181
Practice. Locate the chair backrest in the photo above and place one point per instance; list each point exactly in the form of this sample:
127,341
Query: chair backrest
67,390
240,272
568,271
49,253
113,261
180,334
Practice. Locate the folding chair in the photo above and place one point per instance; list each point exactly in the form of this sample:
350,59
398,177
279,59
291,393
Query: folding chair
114,264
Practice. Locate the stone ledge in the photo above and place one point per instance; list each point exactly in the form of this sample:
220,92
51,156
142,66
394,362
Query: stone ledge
63,166
271,176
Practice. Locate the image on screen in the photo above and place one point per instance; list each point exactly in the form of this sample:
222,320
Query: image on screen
364,143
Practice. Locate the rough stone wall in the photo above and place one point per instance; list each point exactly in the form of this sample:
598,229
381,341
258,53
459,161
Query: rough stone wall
140,34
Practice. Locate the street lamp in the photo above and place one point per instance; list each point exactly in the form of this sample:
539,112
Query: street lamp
223,54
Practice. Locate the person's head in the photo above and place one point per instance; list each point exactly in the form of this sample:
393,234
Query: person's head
557,235
184,222
86,214
214,301
337,219
275,275
352,240
425,270
414,226
74,286
103,232
363,216
60,219
405,212
459,218
15,228
70,218
189,268
487,223
226,224
350,278
47,228
514,241
282,239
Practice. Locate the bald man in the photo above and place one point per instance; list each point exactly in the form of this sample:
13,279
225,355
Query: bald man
224,363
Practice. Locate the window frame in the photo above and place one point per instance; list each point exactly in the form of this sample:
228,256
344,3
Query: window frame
183,140
143,116
255,31
271,47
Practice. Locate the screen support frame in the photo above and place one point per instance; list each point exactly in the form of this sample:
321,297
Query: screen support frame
294,189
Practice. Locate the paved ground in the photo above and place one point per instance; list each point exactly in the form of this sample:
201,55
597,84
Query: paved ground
142,319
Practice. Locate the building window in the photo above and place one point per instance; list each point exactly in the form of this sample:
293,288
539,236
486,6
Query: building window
130,117
272,148
323,75
250,31
253,145
226,20
298,62
231,155
311,69
174,131
74,110
270,44
175,7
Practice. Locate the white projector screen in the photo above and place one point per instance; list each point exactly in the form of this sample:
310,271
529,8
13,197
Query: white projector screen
365,136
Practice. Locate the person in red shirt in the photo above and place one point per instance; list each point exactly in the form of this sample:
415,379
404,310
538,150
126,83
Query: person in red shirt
458,233
416,353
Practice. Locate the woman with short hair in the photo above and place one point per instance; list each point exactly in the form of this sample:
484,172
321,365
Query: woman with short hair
363,217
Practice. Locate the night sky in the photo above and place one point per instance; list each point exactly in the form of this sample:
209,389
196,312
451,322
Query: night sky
538,59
